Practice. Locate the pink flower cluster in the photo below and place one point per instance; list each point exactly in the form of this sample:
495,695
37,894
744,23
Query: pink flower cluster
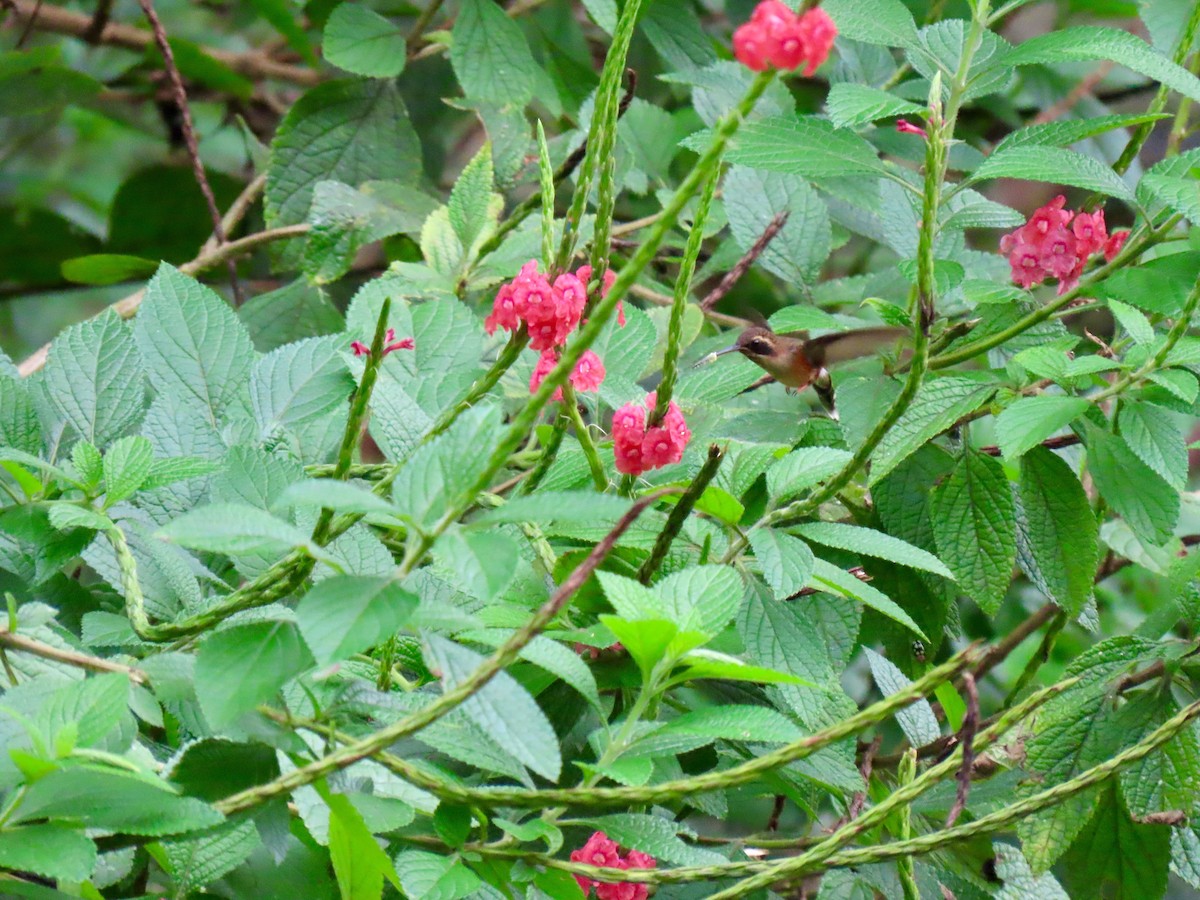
1057,243
361,349
639,449
600,850
776,36
551,312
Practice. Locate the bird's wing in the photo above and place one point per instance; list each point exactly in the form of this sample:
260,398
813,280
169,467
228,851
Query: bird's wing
843,345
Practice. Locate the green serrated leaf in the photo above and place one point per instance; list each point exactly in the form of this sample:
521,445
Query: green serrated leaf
805,146
502,708
804,468
974,524
491,56
828,577
1155,437
127,465
192,343
1025,424
1056,530
116,801
1063,133
346,614
851,105
786,561
1123,48
1054,165
241,667
938,405
52,851
1136,492
334,133
361,41
917,720
873,543
233,528
885,23
800,248
94,379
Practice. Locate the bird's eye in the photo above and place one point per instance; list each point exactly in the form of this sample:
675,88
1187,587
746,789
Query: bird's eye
759,346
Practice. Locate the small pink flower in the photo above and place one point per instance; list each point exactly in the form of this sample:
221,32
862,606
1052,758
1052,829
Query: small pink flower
584,274
819,33
505,312
1090,232
1114,244
787,47
588,374
598,851
906,127
361,349
1025,260
1049,216
752,46
1058,255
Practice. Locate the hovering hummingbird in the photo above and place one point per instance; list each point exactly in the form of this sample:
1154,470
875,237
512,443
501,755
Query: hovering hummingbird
796,360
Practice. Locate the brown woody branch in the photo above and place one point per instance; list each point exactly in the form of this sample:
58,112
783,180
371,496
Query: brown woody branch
56,20
23,644
189,136
743,265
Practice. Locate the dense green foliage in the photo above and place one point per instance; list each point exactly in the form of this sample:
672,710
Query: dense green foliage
311,594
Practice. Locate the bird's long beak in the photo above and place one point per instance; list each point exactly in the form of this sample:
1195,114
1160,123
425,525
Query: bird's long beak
705,360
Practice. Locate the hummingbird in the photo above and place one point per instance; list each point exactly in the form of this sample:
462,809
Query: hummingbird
796,360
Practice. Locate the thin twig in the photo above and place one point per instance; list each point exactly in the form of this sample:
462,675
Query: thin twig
1077,93
189,137
966,740
743,265
99,22
56,20
998,652
37,11
1054,443
237,211
776,813
70,657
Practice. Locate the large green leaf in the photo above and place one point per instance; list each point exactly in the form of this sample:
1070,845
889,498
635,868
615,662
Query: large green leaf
804,146
192,343
830,578
974,524
1054,165
1056,530
116,801
299,391
19,425
870,542
798,251
345,614
851,105
363,42
917,720
435,475
51,850
1154,435
1087,43
491,56
502,708
1117,857
94,379
350,131
786,561
938,405
884,22
1136,492
241,667
1025,424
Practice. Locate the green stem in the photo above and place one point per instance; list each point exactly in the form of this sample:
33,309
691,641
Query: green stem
683,284
905,866
678,516
549,453
570,404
